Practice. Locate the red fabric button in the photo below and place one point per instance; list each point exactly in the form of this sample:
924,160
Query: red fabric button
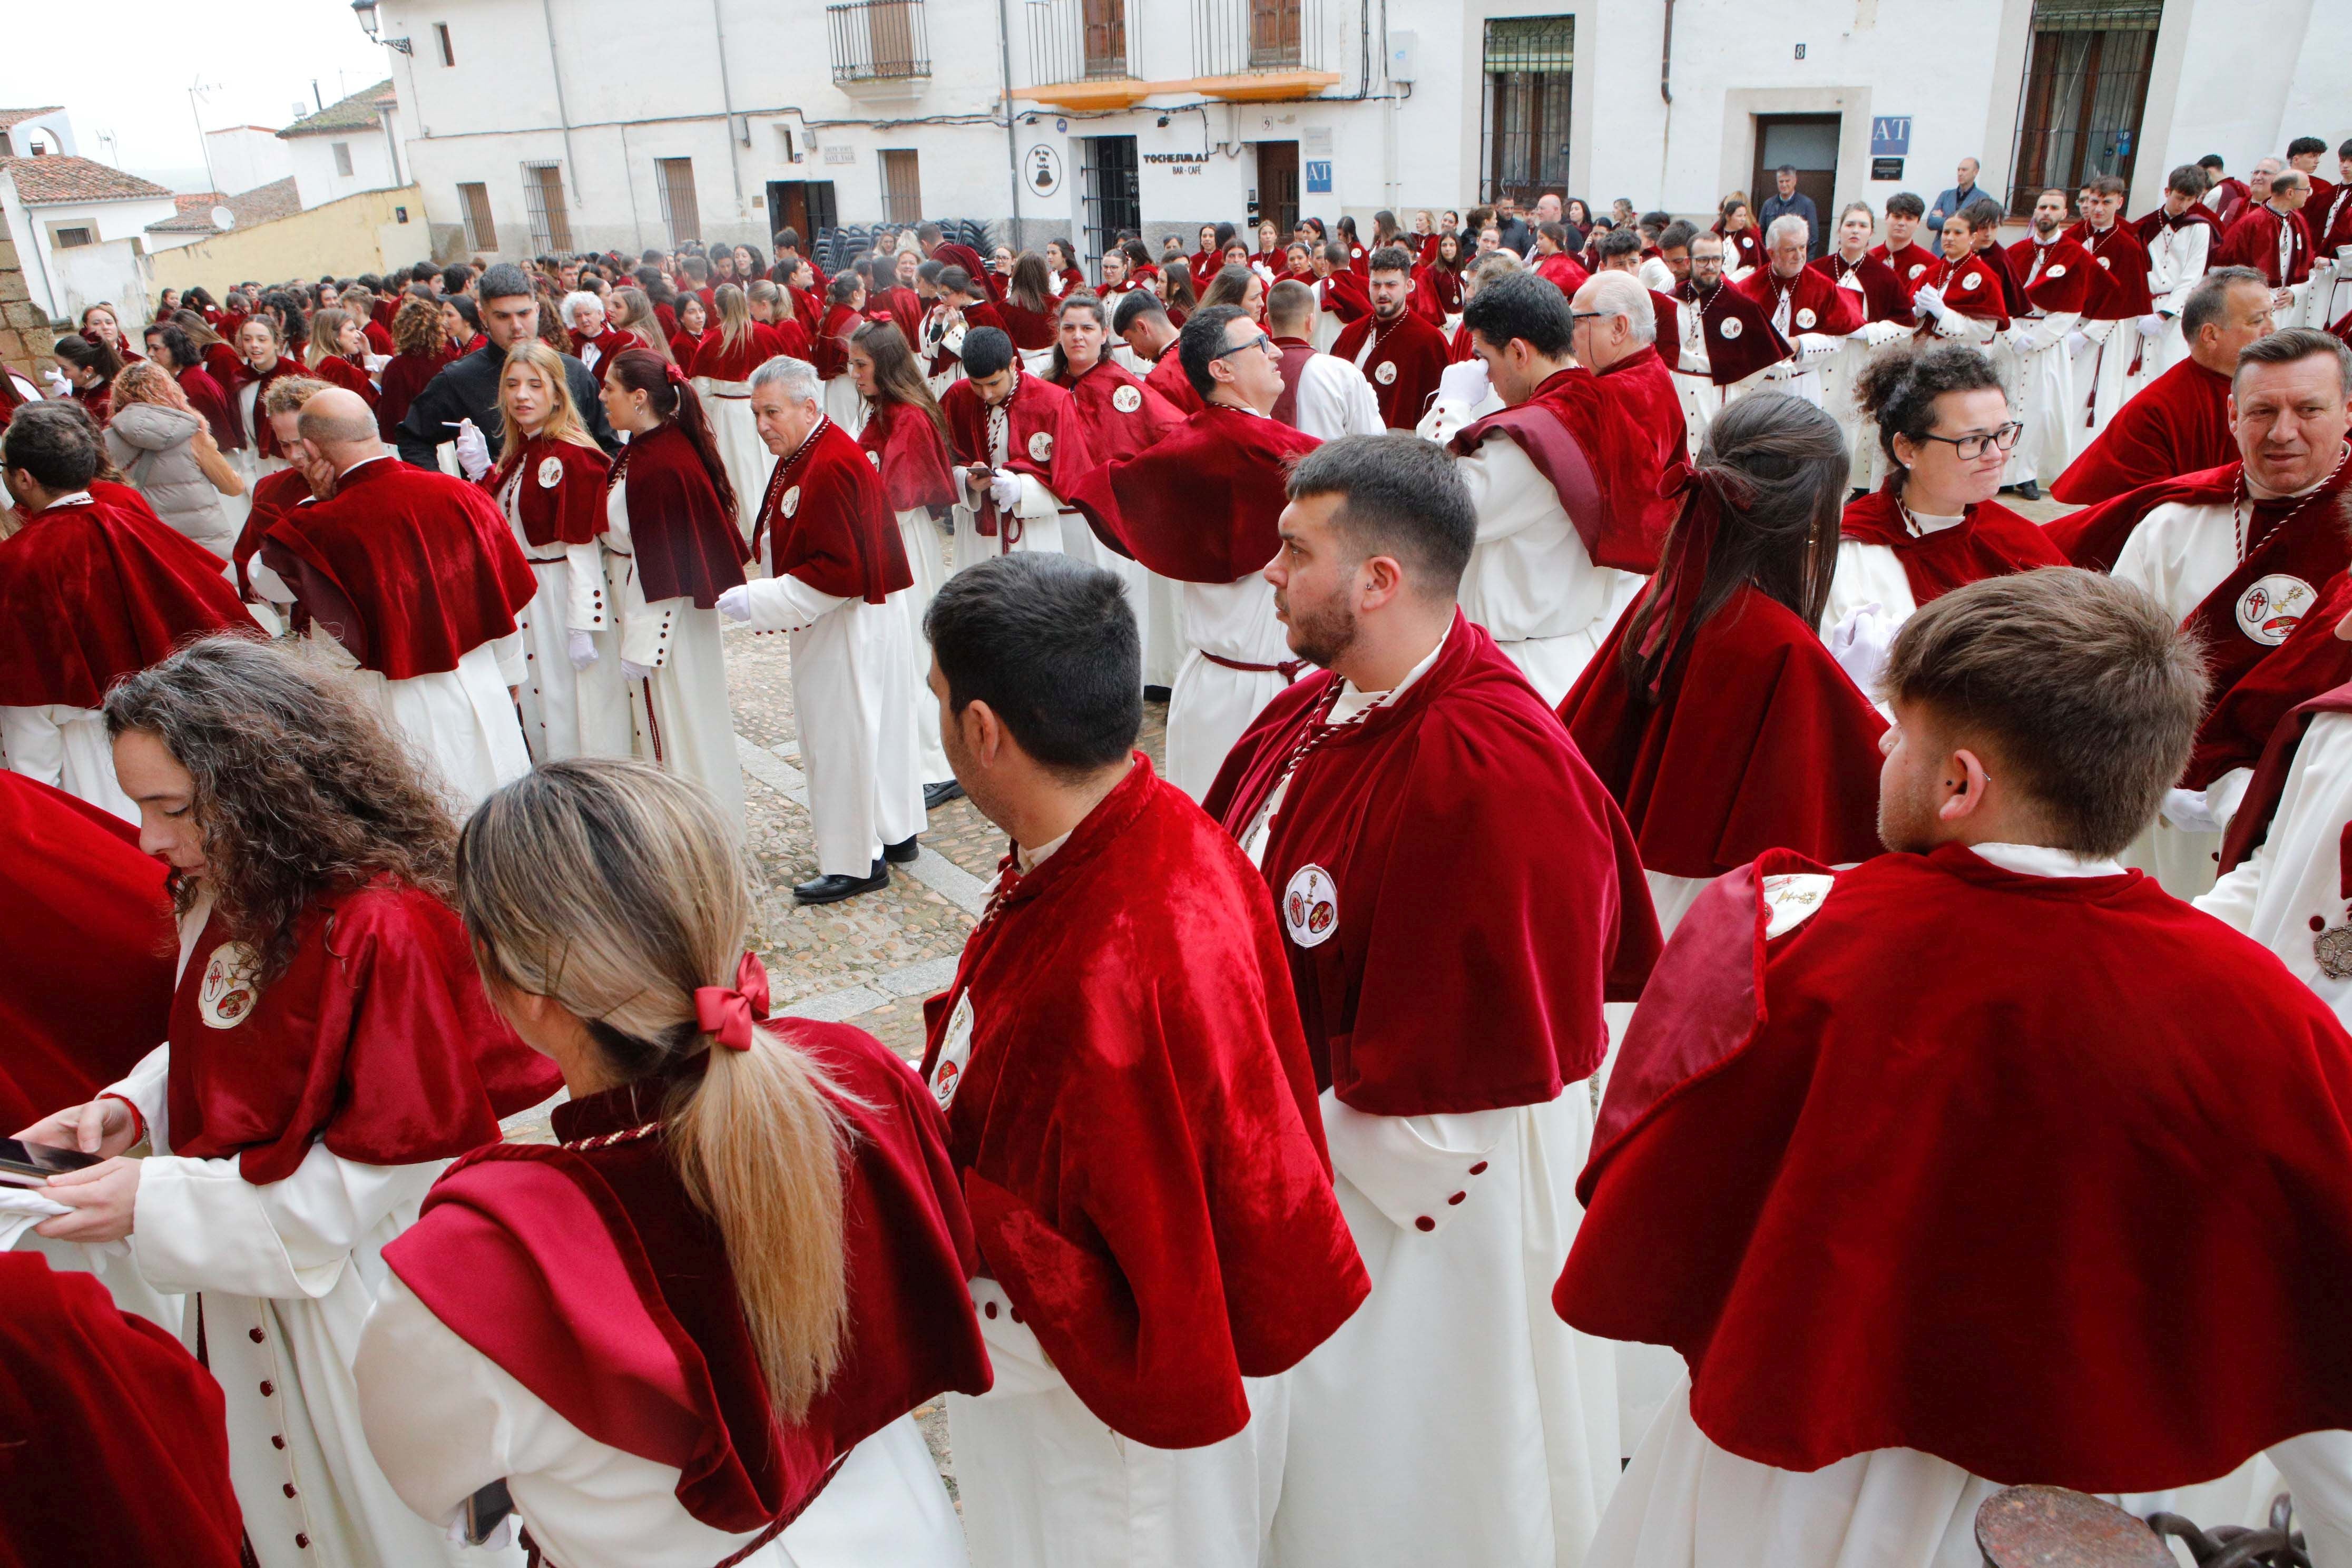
1479,1169
1016,1314
1457,1197
289,1489
277,1442
1425,1222
268,1389
303,1541
989,1308
2317,923
254,1335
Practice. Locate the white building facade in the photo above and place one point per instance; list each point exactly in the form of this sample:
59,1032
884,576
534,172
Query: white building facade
351,145
80,231
533,129
243,157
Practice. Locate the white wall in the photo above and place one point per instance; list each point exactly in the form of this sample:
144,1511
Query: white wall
318,179
244,156
59,138
63,282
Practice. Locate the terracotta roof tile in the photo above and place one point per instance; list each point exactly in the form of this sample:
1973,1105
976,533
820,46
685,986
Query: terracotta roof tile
258,205
60,179
357,112
12,116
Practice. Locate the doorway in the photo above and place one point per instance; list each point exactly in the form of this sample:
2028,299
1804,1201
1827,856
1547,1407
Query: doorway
806,206
1277,187
1809,143
1112,193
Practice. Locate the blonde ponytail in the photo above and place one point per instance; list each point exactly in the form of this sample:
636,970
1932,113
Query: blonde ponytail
617,891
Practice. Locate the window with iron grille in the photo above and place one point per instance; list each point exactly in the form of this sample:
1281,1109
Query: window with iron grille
879,40
674,177
343,158
1109,191
1238,38
543,194
1529,67
2085,85
481,234
72,238
902,186
1077,40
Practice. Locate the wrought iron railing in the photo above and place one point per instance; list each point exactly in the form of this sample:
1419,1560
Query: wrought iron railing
879,40
1241,38
1079,40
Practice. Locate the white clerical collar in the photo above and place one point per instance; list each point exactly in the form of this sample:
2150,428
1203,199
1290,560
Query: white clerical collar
2043,860
78,498
1244,408
1027,860
1353,699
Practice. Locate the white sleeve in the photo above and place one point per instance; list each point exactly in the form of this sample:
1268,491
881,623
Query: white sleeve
268,582
2233,896
1509,490
2318,1468
508,651
2192,271
1334,399
34,744
438,1414
1417,1170
787,605
198,1224
2224,794
584,569
144,1086
1036,500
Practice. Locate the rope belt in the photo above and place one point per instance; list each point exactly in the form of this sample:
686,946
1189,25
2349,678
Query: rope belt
1288,669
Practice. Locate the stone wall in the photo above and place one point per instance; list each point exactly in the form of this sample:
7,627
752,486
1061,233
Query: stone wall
26,334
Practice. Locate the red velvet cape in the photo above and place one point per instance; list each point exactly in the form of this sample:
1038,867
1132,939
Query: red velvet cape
377,1039
1992,543
2055,277
274,494
1831,311
831,521
564,505
338,370
88,989
906,450
1882,295
2122,292
2022,1208
592,1278
2259,803
119,1441
2146,228
2239,725
89,593
714,360
1045,439
1911,268
1755,739
1167,378
1463,795
1602,464
2179,423
1741,339
1972,289
1561,270
2254,241
1642,384
1135,1125
1204,505
686,544
1411,353
411,570
207,397
1119,426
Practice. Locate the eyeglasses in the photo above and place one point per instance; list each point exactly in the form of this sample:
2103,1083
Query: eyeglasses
1575,316
1971,447
1259,341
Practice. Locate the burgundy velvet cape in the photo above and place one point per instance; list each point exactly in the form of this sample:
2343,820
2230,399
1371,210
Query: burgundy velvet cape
274,494
1418,354
1464,796
2239,725
88,989
1644,387
1883,296
2177,423
1112,431
1832,309
1755,740
89,593
2259,804
831,521
263,436
1911,268
2021,1211
1741,339
207,398
2121,294
411,570
1167,378
1043,439
2254,241
910,453
1972,289
119,1446
2055,277
686,544
1135,1125
1204,504
377,1040
570,510
1992,543
591,1277
1602,463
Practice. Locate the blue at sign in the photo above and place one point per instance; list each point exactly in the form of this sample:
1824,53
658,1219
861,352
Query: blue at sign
1318,178
1890,135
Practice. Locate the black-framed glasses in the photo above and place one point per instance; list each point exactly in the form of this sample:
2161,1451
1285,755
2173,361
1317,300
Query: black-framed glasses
1259,341
1576,316
1971,447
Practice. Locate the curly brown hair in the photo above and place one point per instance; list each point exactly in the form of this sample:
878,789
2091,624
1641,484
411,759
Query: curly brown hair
416,328
300,787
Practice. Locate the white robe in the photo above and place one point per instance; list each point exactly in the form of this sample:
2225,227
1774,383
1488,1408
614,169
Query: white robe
853,696
446,1420
2176,261
1334,399
744,456
680,713
1211,704
65,747
1039,509
280,1280
927,558
1873,574
567,712
2290,888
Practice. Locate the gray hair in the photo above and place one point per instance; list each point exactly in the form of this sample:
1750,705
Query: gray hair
1623,294
1789,223
570,309
500,282
2293,345
2211,297
797,378
2269,165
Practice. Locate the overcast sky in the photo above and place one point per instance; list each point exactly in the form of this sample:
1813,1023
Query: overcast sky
125,66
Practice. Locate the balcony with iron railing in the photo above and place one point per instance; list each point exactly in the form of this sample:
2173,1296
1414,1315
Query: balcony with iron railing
1090,54
882,43
1080,50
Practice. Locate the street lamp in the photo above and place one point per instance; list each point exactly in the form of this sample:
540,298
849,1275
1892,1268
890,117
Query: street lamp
365,11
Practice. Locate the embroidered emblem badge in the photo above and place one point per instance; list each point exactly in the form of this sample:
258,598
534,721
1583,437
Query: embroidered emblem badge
1311,906
1728,328
955,1050
1041,447
1792,899
229,990
1806,317
792,502
1385,373
1127,399
2270,607
550,473
2057,270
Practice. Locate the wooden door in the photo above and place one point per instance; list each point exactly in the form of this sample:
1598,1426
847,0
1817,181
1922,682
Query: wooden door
1277,185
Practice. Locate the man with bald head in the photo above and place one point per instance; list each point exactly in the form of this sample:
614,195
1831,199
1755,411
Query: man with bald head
413,578
2271,236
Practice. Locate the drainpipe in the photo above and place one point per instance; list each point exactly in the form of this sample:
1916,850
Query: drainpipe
726,100
562,115
1012,137
1666,91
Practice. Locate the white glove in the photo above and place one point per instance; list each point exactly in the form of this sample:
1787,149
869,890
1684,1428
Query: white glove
735,604
1861,642
2187,810
59,386
1004,488
2077,340
1465,384
472,449
582,647
2151,326
635,671
2028,340
1929,301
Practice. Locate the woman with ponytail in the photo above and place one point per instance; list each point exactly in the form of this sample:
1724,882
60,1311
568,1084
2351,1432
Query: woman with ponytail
672,549
741,1264
721,372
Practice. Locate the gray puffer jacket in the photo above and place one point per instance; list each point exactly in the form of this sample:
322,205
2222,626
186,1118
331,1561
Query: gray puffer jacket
151,445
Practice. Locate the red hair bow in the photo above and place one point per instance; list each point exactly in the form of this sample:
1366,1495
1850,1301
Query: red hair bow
675,374
726,1012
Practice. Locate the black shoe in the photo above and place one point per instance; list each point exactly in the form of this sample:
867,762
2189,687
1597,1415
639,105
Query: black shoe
905,849
832,890
939,795
2029,490
1155,694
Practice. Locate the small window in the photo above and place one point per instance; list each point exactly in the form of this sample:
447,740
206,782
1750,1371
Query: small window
551,224
441,36
481,234
343,159
72,238
902,186
675,180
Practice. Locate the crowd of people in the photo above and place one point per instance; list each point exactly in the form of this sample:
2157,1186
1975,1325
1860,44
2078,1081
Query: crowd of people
1693,988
